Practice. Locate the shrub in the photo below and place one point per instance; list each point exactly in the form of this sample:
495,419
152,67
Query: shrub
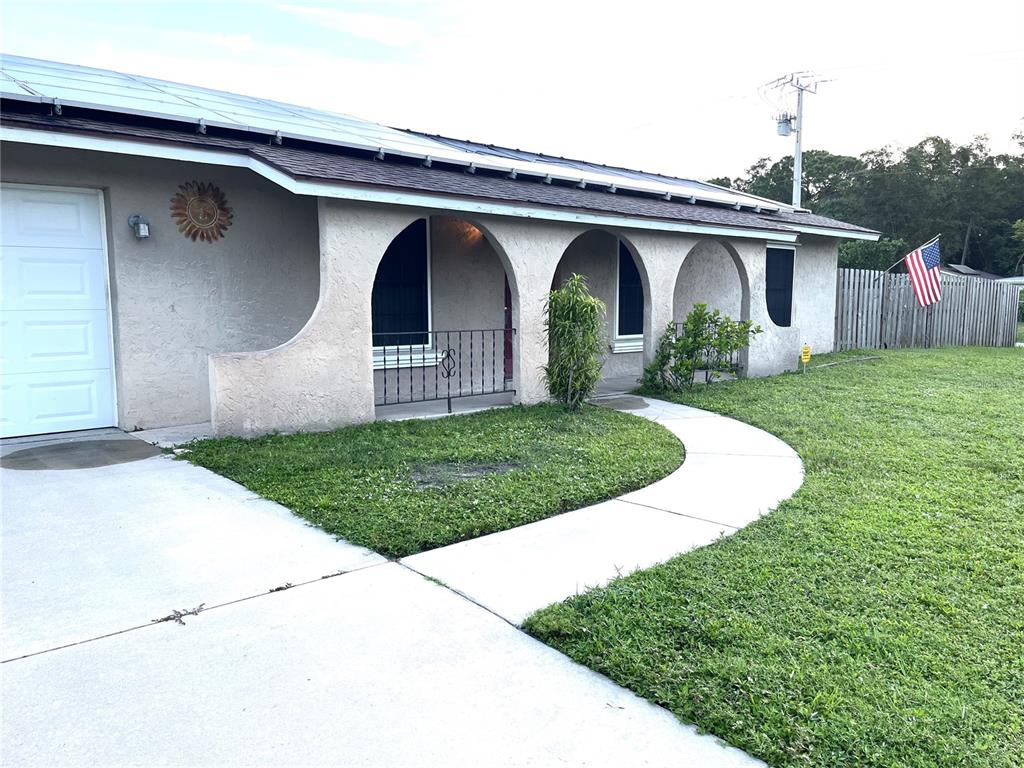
707,341
574,323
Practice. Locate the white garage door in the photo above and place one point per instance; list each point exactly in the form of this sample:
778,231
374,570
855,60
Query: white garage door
56,369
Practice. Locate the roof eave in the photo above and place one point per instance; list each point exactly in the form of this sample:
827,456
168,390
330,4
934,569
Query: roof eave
380,194
842,234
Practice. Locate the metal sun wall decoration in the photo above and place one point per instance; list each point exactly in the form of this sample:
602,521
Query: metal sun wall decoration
201,211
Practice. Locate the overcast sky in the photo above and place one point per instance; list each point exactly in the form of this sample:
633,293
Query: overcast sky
670,87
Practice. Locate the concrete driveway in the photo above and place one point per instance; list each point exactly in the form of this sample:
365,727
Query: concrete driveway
357,661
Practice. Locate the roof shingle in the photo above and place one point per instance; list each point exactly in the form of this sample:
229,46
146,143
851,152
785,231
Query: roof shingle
335,166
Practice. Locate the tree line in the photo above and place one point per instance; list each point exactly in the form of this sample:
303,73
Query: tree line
972,197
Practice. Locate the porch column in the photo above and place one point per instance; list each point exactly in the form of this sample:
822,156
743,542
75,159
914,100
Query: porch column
531,345
323,377
531,251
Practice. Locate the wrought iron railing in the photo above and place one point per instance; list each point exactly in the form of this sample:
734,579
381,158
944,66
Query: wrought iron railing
441,365
712,360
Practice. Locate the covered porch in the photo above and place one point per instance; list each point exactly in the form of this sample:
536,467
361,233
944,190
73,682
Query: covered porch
426,312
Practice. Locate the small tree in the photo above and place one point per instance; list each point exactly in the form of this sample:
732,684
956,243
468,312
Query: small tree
574,323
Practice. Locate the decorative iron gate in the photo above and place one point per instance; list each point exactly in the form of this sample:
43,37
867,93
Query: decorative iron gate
441,365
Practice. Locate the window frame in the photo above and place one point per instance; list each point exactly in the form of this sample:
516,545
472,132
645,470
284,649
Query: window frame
411,355
633,342
792,281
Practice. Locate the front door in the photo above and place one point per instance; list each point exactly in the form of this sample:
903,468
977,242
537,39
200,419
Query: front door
56,371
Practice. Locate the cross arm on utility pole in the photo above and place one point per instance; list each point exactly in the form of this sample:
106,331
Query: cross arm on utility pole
788,124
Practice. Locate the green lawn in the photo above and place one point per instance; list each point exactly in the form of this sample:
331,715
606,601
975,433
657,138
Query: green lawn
1020,332
877,617
403,487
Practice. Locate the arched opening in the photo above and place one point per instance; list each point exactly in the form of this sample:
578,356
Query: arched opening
615,274
712,274
441,312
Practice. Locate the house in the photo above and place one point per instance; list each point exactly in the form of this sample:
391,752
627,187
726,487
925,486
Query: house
176,255
962,270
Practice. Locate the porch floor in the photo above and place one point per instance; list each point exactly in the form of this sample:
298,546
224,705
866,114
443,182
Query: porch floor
169,437
616,385
437,408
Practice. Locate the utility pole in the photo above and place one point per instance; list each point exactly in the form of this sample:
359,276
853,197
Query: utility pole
798,153
787,123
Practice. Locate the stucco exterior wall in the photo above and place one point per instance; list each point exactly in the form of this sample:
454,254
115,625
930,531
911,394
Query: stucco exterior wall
175,301
814,292
814,296
776,349
321,378
467,277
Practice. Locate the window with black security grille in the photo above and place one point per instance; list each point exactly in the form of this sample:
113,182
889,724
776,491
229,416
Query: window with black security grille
778,287
631,296
400,290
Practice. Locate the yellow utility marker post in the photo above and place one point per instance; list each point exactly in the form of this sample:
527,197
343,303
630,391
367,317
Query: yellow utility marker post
805,356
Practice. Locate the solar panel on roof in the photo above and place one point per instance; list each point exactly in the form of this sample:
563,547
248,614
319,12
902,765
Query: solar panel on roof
46,81
682,188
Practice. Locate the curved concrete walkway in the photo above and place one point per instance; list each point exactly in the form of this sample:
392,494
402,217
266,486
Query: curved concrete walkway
310,651
733,474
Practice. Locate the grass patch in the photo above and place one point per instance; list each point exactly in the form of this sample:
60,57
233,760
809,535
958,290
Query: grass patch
404,487
877,617
1020,332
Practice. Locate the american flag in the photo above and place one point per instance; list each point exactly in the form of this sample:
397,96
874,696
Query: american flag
923,266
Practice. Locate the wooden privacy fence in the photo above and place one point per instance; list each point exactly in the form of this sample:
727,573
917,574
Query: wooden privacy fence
878,310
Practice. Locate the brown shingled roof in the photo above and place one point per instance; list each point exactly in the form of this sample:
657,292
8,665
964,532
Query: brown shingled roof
332,165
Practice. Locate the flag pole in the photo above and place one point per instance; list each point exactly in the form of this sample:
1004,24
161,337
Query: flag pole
901,258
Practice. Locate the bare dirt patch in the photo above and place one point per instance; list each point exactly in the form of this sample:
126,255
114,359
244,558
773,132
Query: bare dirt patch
426,476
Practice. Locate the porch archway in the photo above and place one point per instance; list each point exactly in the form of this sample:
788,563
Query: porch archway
441,310
616,274
713,273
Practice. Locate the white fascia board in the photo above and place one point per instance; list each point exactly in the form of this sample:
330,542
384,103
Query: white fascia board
844,234
374,194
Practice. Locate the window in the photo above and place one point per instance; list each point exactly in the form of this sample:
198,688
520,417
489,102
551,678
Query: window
401,290
778,288
630,306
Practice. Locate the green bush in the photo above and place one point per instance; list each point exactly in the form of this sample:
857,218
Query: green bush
707,341
574,323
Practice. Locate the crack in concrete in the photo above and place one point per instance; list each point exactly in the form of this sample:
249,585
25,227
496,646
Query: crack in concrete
176,616
461,594
677,514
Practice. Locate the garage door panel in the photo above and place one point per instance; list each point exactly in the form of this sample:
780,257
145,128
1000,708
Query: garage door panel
59,278
51,218
56,364
36,403
38,341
